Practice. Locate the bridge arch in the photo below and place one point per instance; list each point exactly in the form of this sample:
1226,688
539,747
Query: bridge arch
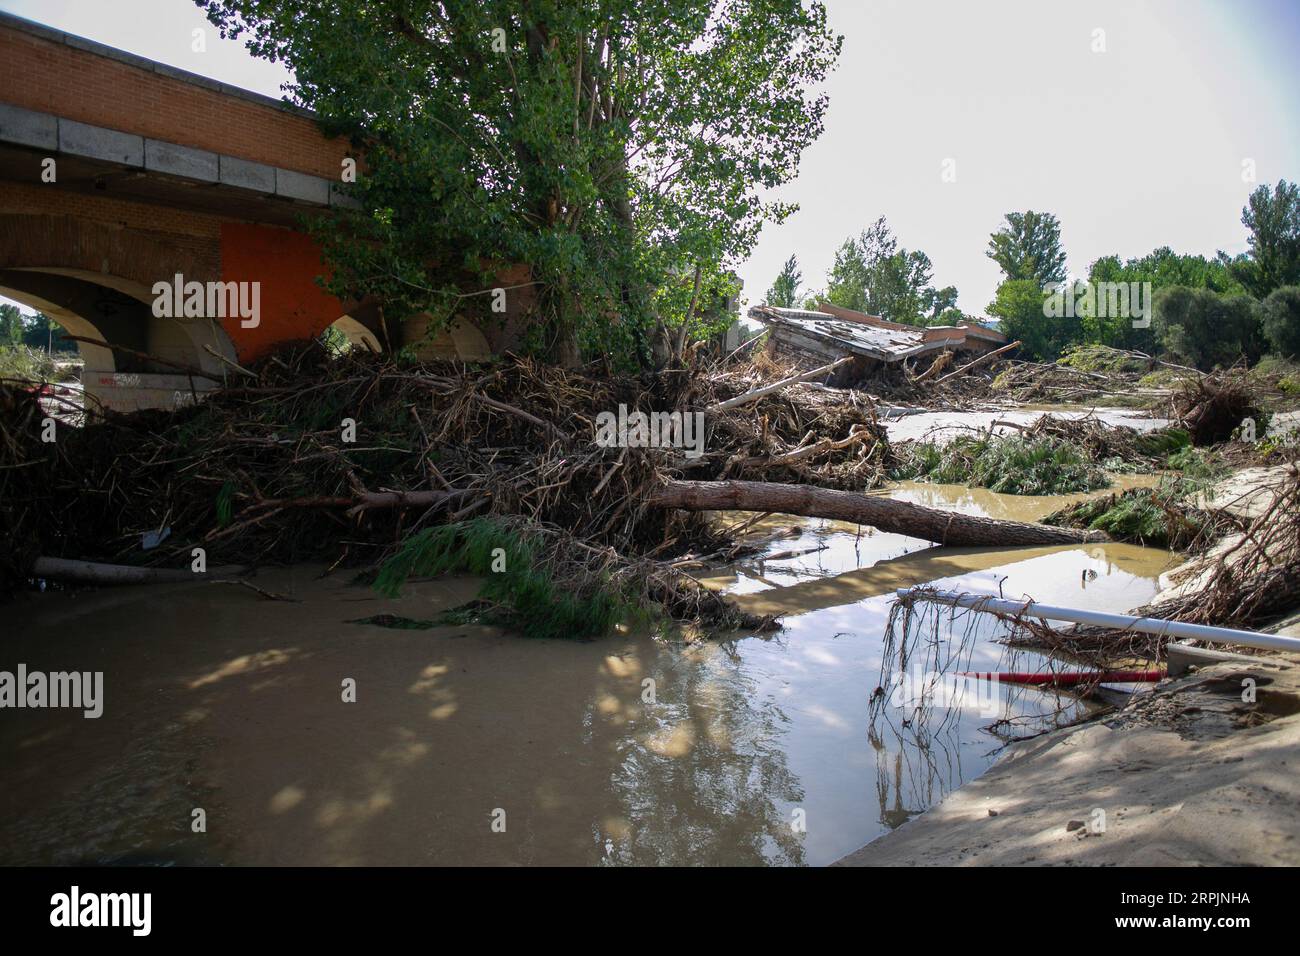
95,280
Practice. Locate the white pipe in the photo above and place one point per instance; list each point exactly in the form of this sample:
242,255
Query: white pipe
1148,625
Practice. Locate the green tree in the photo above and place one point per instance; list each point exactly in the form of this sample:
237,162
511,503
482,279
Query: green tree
1028,246
1018,307
1280,314
1207,329
872,274
622,149
11,325
785,288
1273,218
1162,268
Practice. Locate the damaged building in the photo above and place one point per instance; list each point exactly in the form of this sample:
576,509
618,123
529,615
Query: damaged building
831,333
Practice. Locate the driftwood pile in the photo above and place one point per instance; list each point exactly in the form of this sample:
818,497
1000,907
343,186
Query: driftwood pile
313,457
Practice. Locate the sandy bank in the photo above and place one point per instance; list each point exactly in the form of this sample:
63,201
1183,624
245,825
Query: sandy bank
1189,775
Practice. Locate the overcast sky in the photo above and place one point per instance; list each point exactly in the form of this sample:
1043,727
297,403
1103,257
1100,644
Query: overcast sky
1135,147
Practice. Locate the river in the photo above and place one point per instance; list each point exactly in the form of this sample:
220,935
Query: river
469,745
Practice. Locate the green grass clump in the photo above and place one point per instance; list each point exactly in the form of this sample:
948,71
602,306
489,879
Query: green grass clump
1156,517
1101,358
1163,441
1199,469
521,588
28,365
1009,463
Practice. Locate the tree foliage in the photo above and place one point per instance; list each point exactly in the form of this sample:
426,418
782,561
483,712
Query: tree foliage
1028,246
784,293
1207,329
1272,217
1162,268
1280,314
620,148
873,274
1018,307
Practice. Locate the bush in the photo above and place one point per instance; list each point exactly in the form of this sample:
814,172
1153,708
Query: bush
1207,329
1280,320
28,365
1009,464
1155,517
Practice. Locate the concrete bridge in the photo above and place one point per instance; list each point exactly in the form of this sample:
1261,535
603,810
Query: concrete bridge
117,173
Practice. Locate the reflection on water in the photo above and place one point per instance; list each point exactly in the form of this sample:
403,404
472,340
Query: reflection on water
755,750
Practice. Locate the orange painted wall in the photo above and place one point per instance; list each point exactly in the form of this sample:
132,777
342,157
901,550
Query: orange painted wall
286,263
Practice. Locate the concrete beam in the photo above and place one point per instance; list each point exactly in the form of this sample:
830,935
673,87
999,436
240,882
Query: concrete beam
246,174
302,187
26,128
177,160
33,130
97,142
1182,657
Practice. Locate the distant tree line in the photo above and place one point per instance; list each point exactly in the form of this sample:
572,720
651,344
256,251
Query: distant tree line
1203,311
33,331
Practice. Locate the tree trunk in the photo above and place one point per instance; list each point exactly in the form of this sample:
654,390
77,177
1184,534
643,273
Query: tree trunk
899,517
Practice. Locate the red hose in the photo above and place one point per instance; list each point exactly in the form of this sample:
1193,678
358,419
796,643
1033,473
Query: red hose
1068,679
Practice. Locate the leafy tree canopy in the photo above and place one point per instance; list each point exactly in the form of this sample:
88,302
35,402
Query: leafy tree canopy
1021,315
872,274
785,288
1028,246
1280,313
620,148
1205,328
1272,217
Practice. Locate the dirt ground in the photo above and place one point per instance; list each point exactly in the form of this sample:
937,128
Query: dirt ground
1190,775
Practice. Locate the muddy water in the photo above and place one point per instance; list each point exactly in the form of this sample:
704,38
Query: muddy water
757,750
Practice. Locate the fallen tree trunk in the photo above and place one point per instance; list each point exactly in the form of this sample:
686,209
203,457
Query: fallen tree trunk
886,514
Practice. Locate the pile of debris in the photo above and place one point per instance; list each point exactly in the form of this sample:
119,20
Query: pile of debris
346,460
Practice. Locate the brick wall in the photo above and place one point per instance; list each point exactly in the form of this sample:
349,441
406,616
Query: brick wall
52,77
196,237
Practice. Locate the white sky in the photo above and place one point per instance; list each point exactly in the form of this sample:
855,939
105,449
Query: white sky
1133,148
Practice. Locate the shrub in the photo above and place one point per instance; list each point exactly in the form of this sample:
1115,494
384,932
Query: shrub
1011,464
1280,315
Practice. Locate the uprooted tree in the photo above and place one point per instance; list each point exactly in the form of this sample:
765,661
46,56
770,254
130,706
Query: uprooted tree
616,147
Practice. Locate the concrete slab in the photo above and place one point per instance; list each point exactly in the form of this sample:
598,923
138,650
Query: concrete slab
1182,658
177,160
28,128
302,187
97,142
246,174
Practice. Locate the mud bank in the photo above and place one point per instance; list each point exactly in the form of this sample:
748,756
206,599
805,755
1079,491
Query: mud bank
1190,775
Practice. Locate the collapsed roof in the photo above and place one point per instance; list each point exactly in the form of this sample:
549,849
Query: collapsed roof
847,331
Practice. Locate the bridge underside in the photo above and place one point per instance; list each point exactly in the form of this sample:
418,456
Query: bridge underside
91,219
